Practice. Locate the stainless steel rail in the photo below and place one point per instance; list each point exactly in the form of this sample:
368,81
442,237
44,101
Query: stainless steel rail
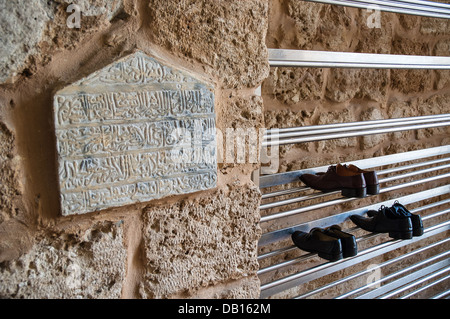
429,167
369,270
292,176
329,59
291,281
359,129
416,7
426,161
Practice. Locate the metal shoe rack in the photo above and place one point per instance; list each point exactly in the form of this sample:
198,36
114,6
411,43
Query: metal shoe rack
419,179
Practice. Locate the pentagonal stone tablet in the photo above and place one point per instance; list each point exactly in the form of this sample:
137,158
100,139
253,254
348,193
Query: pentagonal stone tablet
133,131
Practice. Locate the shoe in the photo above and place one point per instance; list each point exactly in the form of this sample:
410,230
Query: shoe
337,178
385,221
399,211
372,183
316,241
348,241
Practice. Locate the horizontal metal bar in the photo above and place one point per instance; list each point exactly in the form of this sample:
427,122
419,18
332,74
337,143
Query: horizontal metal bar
389,6
396,274
410,174
309,128
298,259
381,180
284,233
441,294
331,59
437,268
301,131
429,3
428,286
292,176
284,192
288,282
412,166
343,200
347,134
369,270
414,211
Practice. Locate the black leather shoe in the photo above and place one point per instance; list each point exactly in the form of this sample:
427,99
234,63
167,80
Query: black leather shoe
383,222
348,241
316,241
398,211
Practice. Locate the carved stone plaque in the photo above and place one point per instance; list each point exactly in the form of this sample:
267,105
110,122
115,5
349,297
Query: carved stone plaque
133,131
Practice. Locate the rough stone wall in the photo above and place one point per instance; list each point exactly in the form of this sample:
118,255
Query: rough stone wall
311,96
199,245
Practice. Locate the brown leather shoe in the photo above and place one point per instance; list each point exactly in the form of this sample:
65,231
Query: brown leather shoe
372,184
350,184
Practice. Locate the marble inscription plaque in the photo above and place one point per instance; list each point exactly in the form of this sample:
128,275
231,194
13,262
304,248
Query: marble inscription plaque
133,131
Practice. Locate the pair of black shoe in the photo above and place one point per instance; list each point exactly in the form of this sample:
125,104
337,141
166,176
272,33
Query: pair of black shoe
330,243
397,221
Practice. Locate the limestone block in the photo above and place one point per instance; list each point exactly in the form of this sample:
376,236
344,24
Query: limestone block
373,38
22,24
134,131
346,84
202,242
325,24
306,16
32,30
60,265
287,118
89,8
10,187
240,134
433,26
291,85
227,36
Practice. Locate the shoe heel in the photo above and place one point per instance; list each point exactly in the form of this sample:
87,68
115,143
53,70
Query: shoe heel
330,257
373,189
354,192
349,247
417,224
401,235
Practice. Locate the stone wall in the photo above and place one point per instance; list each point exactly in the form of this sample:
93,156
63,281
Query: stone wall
309,96
204,244
198,245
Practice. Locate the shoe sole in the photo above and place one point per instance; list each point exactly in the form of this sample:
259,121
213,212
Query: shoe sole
347,192
373,189
330,257
354,192
401,235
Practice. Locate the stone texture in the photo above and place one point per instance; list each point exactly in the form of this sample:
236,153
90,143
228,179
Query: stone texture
22,25
291,85
227,36
62,265
195,244
369,141
33,29
10,187
96,8
346,84
133,131
240,135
